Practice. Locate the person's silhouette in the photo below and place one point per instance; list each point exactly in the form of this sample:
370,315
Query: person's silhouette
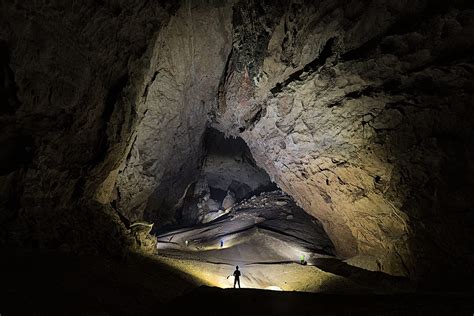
236,276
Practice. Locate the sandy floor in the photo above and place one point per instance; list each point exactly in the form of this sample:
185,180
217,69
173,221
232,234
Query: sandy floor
52,283
268,248
273,276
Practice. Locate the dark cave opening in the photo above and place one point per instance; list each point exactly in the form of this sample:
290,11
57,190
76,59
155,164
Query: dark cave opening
217,194
228,175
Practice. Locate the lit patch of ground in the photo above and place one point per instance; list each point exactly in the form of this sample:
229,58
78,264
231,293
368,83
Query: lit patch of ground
283,276
267,237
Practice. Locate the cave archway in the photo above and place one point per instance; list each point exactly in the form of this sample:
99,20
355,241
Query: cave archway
228,175
233,215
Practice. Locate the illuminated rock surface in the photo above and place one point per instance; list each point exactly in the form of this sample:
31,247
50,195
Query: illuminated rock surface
363,115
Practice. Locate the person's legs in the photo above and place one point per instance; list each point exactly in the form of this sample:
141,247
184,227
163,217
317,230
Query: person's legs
235,281
238,281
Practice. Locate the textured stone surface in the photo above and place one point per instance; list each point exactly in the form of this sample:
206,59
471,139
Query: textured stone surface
70,75
362,112
180,87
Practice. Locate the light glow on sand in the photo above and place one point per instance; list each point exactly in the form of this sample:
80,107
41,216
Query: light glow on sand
273,288
278,277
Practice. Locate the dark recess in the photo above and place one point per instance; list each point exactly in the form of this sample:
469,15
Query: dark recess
111,100
8,100
309,68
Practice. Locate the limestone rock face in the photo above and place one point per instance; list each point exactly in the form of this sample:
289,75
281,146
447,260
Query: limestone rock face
189,56
141,233
70,76
362,113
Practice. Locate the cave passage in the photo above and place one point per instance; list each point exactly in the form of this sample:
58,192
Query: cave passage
228,175
234,215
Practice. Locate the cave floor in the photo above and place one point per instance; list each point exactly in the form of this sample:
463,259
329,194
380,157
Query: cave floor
264,268
266,244
46,283
214,301
267,236
51,282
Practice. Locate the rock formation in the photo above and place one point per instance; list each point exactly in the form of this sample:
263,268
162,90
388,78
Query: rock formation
361,113
180,86
360,110
71,76
229,200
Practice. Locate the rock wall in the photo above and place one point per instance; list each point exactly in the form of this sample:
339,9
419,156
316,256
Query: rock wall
361,112
188,60
71,73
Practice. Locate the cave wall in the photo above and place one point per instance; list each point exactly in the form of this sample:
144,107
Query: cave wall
187,62
361,111
71,73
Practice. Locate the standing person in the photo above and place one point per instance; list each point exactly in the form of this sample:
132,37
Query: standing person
222,243
236,276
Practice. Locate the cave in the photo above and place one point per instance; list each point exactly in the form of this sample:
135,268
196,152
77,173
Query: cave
228,175
147,148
